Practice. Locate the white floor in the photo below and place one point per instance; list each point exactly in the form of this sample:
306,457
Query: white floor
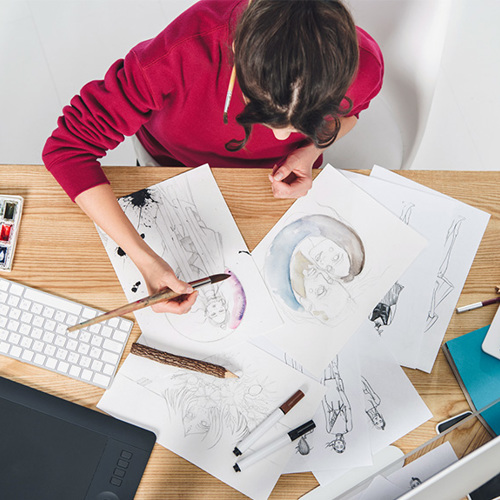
50,48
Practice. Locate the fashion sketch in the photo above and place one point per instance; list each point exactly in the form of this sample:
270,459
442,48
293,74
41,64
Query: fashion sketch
310,266
336,408
443,285
169,220
383,313
372,404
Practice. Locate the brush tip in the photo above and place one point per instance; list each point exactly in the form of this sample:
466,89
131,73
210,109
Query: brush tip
215,278
225,119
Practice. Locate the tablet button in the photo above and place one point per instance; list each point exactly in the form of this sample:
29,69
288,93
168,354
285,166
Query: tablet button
119,473
115,481
122,463
126,455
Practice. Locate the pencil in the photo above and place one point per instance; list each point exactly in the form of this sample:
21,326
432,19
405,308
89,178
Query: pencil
181,361
229,94
162,295
477,305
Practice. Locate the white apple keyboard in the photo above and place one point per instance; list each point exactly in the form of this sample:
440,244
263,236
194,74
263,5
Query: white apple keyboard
33,329
491,343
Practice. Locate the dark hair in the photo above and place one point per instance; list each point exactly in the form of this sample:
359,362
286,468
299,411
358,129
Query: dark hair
295,60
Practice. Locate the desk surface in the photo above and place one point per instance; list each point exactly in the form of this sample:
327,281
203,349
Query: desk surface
59,251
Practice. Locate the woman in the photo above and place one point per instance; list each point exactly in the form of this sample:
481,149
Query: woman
303,74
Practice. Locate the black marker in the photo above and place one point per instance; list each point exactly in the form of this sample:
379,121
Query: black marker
274,446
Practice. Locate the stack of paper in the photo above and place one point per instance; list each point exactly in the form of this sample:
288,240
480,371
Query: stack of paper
357,271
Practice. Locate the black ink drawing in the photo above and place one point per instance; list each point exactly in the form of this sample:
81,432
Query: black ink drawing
414,482
309,265
372,404
443,286
383,313
303,447
168,218
336,408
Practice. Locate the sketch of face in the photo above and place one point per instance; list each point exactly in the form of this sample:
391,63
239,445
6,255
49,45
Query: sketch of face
377,420
329,257
323,298
196,422
339,444
216,311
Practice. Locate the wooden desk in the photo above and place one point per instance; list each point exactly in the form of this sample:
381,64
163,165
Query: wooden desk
59,251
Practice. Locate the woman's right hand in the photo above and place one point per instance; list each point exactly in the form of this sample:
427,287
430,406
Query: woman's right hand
158,275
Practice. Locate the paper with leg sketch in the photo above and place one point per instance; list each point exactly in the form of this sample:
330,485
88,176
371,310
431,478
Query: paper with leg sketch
460,244
340,439
202,418
327,266
400,317
393,407
186,221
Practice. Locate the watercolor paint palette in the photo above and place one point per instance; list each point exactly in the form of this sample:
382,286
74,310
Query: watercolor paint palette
10,219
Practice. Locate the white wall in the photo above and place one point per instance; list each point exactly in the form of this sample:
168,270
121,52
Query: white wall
50,48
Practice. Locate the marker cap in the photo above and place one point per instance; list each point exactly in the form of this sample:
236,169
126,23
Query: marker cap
291,402
300,431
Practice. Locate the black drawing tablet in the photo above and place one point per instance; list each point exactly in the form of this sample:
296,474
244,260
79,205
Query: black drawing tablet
53,449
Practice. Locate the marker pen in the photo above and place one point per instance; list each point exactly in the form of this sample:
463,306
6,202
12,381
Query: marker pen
274,446
264,426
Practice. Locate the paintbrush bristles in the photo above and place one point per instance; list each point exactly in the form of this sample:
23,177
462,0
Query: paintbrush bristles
215,278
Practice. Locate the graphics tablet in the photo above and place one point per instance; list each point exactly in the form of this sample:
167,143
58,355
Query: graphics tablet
52,449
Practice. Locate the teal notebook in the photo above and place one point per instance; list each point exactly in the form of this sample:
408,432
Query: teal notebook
477,373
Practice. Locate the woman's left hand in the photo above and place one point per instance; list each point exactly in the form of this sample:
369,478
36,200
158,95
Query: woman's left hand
293,178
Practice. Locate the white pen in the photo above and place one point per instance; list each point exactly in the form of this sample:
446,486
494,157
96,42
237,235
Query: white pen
274,446
260,430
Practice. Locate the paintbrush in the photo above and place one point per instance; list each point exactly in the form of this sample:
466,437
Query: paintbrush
166,358
163,295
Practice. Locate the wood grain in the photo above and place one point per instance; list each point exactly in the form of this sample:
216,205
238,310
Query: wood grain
59,251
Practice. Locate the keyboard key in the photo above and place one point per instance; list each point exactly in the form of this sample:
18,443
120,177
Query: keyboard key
83,348
27,355
52,301
4,284
101,379
25,305
60,316
85,361
13,325
14,338
16,289
49,350
48,312
26,342
59,341
36,308
3,334
24,329
4,309
26,317
50,325
74,371
61,353
14,313
61,328
13,300
4,347
63,367
3,321
110,357
48,337
16,351
97,365
111,345
89,313
108,369
51,363
38,321
38,346
96,340
95,352
39,359
95,328
86,375
36,333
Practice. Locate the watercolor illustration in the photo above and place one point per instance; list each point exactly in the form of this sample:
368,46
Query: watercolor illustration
193,250
310,264
383,313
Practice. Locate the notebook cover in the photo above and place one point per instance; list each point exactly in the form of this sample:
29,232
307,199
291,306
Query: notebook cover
477,373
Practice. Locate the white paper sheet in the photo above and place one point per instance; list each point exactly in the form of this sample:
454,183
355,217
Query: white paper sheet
187,222
401,315
393,407
460,245
340,439
327,266
202,418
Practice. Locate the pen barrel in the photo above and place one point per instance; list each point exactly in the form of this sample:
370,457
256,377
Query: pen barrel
260,430
264,452
178,361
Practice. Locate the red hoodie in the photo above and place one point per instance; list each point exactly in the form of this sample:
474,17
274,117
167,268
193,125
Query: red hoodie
170,92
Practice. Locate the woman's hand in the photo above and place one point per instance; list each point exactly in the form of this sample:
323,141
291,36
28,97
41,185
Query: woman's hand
158,275
293,178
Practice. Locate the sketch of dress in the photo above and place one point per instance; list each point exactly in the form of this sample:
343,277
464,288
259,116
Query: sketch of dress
309,265
193,250
372,403
336,408
443,286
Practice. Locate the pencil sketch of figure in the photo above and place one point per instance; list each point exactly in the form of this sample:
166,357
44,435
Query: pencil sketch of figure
336,408
372,403
443,286
383,313
211,408
194,251
310,265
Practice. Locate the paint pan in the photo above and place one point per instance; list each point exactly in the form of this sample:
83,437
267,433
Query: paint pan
10,219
